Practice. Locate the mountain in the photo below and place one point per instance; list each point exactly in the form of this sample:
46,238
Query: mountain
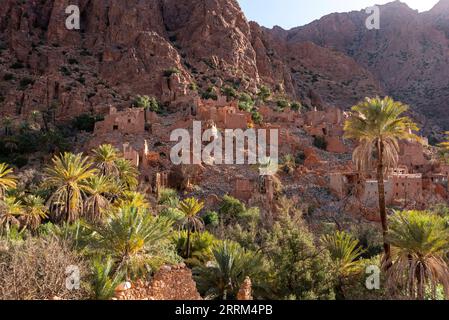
409,54
162,47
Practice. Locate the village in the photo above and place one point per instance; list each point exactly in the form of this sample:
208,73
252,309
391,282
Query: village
144,138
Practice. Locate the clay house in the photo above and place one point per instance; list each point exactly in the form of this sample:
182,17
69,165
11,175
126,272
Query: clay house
228,117
407,187
327,124
345,184
254,190
411,155
129,121
370,194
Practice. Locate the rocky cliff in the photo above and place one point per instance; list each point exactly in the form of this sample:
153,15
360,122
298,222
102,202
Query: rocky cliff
409,55
175,48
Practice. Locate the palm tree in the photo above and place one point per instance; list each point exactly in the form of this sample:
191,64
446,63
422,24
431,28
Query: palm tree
35,115
420,243
11,209
105,157
98,188
377,124
231,264
35,211
132,199
68,175
127,173
7,180
345,252
288,164
105,281
131,238
190,208
7,124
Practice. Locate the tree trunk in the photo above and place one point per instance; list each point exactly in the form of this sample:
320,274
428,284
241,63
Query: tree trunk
382,204
188,243
68,209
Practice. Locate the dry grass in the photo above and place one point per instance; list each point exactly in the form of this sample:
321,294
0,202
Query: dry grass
35,269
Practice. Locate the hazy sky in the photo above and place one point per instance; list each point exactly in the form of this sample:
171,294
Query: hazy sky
293,13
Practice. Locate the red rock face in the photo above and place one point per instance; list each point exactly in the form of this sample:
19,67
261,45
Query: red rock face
409,54
160,47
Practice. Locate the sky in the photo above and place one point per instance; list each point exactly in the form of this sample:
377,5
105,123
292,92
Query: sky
294,13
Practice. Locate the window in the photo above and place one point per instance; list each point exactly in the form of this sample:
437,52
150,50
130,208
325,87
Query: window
115,127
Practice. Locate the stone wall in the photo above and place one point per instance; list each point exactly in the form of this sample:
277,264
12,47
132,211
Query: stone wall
169,283
129,121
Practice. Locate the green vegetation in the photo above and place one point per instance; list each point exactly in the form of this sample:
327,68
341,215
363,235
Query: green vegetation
169,72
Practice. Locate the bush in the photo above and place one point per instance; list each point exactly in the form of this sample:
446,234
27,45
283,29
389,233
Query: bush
8,77
65,71
320,142
257,117
264,93
282,104
233,210
147,102
17,65
210,93
25,82
246,103
169,72
85,122
300,158
211,218
229,92
301,270
36,270
296,106
73,61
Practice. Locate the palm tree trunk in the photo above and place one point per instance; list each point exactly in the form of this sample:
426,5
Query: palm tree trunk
67,203
382,204
188,244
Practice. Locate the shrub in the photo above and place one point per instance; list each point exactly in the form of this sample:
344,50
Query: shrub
85,122
257,117
229,92
233,210
169,72
147,102
73,61
8,77
65,71
246,103
193,86
282,104
320,142
301,270
25,82
17,65
211,218
300,158
210,93
36,270
296,106
264,93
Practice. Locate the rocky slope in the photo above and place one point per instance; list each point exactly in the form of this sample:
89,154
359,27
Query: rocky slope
164,47
409,54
